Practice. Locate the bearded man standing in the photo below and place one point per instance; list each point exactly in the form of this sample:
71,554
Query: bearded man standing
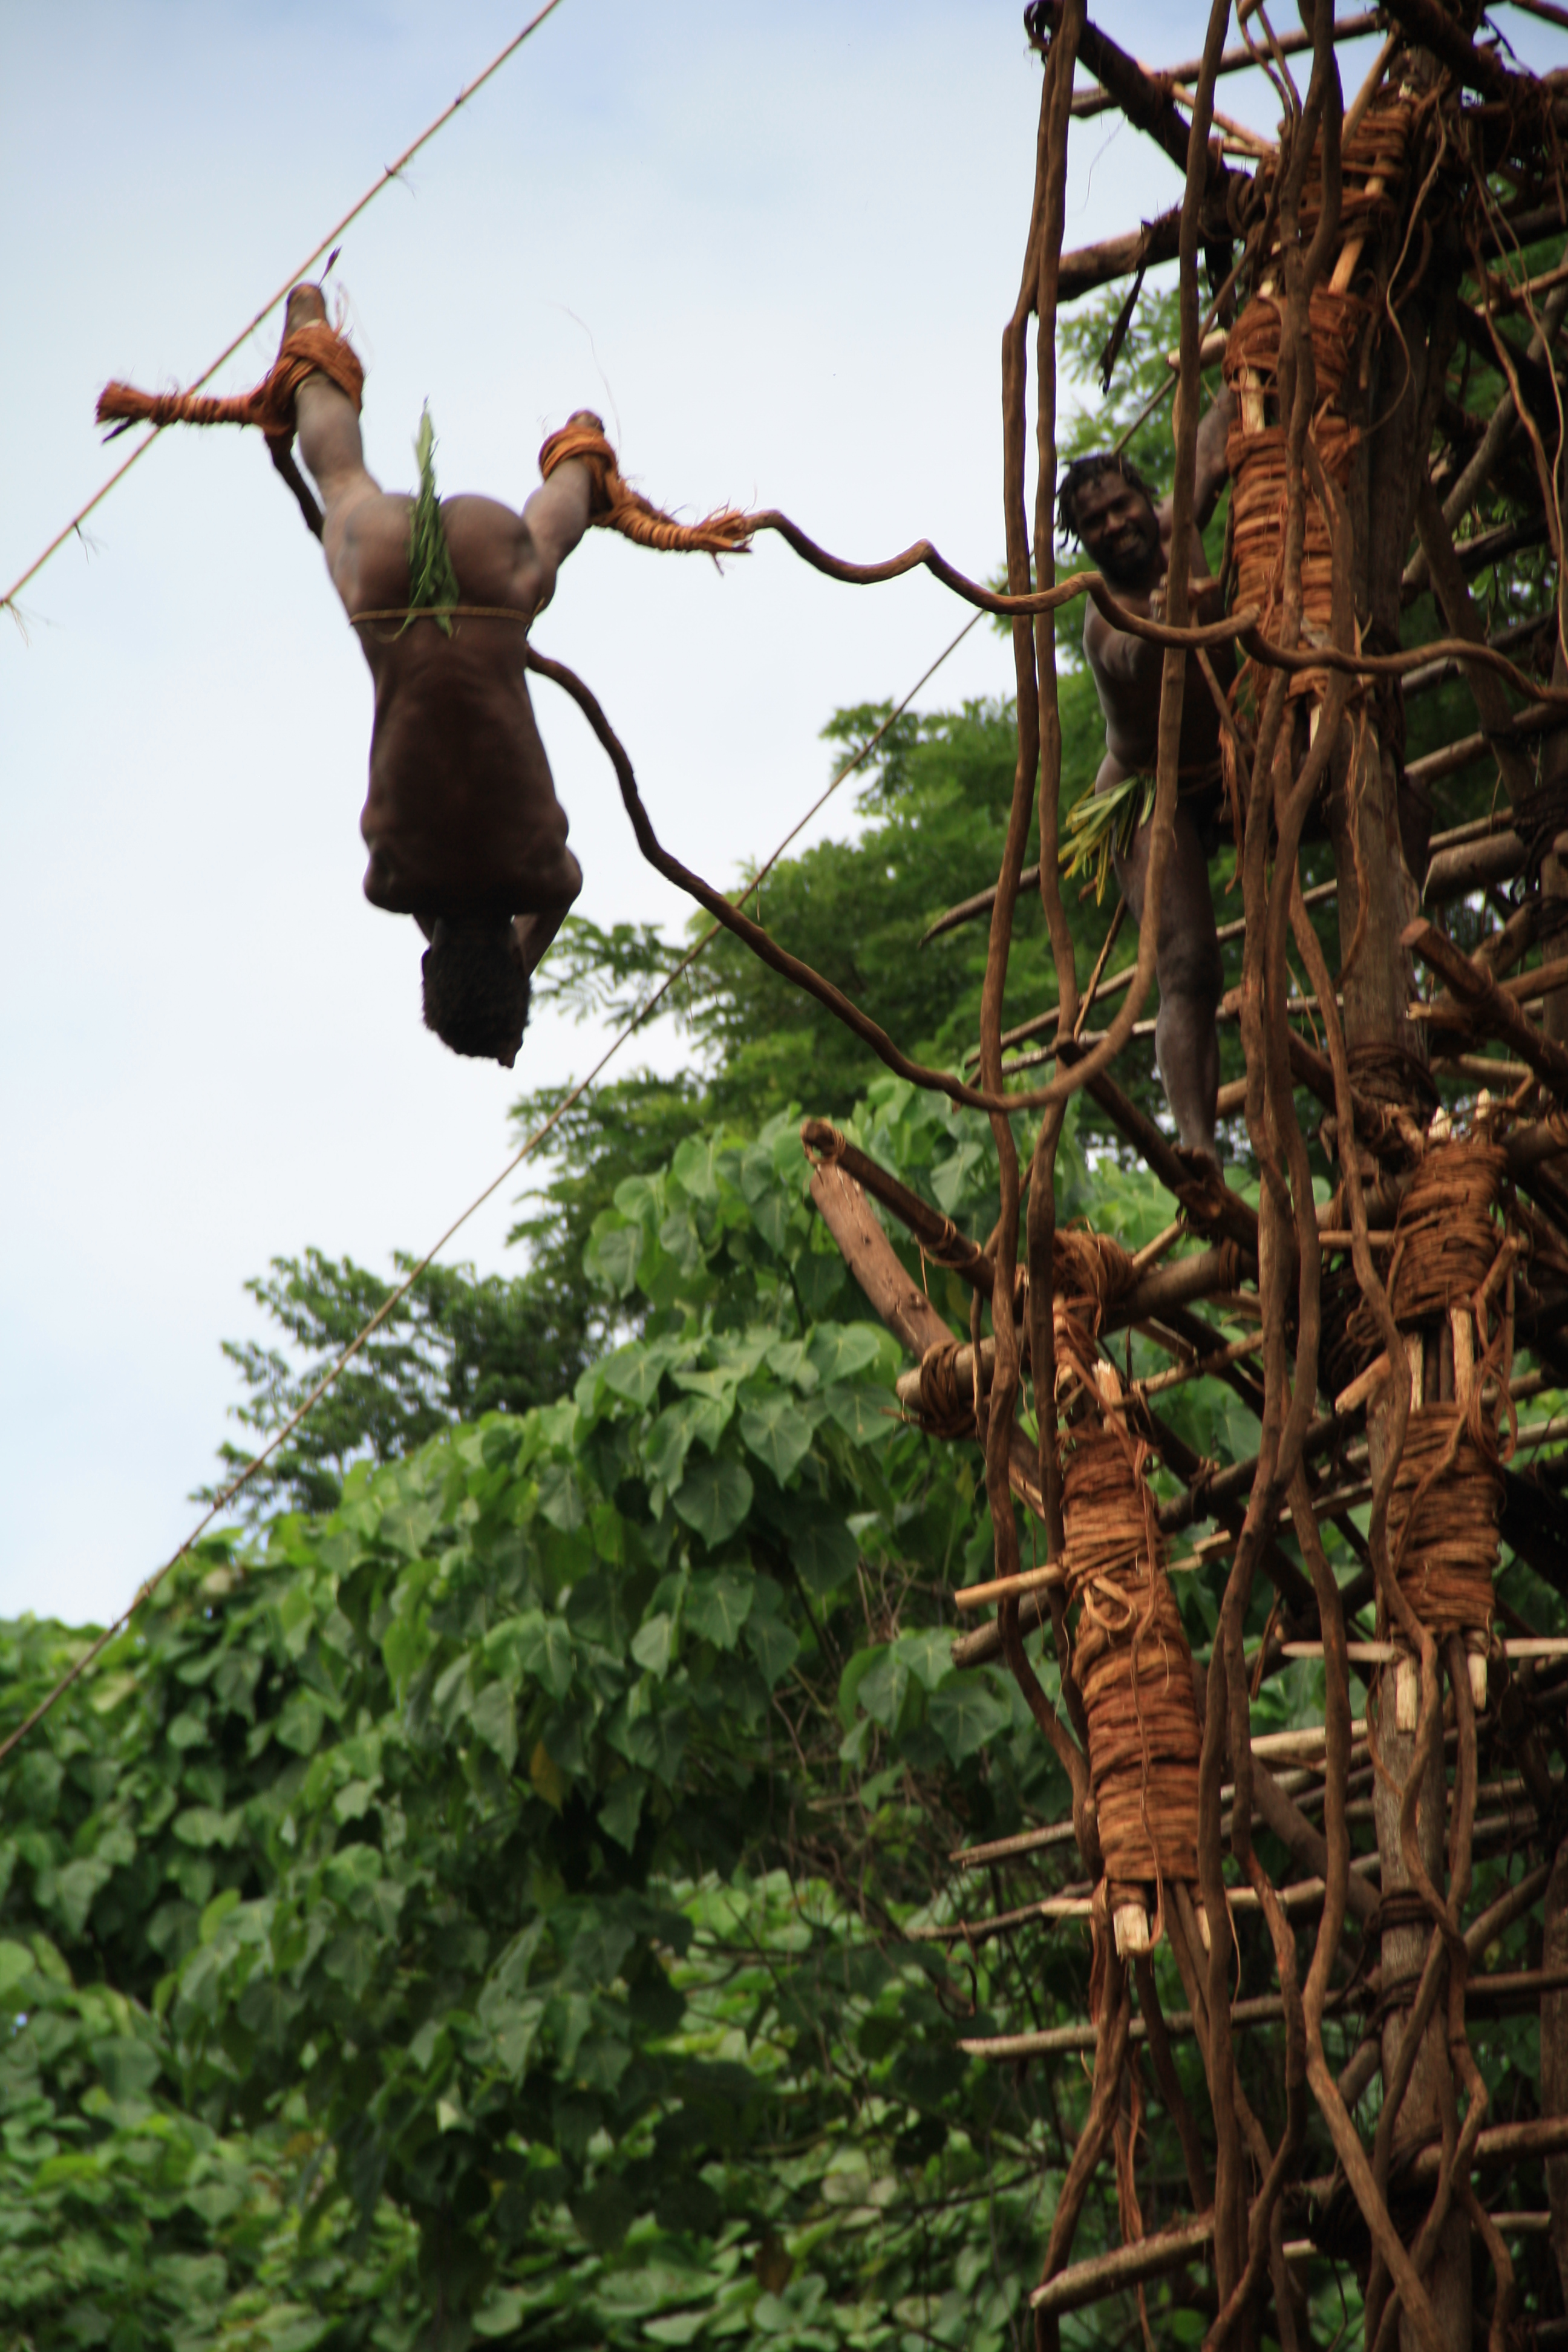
1111,511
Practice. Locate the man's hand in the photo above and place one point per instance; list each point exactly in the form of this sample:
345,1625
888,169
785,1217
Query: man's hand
1206,599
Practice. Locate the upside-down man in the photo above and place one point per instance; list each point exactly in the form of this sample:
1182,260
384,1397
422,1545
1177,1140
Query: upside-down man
463,827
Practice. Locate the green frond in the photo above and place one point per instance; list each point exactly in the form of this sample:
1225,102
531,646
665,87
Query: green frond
1101,824
431,579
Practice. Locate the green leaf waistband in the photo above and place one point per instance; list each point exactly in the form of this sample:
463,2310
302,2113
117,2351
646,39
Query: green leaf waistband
1099,825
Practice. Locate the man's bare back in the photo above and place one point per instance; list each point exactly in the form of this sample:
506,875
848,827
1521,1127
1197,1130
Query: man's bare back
463,825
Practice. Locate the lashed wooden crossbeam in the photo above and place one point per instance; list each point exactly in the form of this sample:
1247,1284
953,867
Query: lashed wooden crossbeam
1304,1895
1491,1008
1104,2274
937,1237
1431,27
1304,1784
1500,1993
1087,103
1090,267
1532,1520
1144,98
1504,2146
903,1307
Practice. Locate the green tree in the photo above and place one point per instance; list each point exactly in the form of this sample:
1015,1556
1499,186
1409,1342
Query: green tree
455,1348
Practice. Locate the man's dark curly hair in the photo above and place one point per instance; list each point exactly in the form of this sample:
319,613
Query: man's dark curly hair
1086,470
476,993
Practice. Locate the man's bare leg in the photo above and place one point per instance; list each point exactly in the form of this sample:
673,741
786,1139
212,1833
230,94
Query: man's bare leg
1190,977
326,423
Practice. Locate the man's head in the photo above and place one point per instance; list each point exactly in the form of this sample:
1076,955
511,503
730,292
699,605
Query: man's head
475,992
1110,510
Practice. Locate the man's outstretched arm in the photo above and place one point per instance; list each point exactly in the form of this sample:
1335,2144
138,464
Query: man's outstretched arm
1212,470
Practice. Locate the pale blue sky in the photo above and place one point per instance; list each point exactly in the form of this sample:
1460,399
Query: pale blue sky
789,239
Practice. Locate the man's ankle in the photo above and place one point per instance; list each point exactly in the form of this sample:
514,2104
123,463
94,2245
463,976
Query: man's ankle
306,307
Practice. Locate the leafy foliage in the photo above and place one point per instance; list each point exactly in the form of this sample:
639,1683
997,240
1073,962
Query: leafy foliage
494,1909
454,1347
480,1845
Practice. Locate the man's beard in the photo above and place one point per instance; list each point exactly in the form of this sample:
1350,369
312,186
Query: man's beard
1126,561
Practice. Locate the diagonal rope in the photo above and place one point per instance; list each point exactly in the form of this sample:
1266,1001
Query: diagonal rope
391,173
101,1643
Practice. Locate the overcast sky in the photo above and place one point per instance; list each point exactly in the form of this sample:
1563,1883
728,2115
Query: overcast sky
776,248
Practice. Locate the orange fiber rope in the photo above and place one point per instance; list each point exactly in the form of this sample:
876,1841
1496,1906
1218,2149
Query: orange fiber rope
618,507
310,350
1445,1242
1443,1521
1133,1667
1091,1270
1130,1656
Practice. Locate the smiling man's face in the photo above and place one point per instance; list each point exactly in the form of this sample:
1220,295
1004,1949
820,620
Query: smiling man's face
1119,530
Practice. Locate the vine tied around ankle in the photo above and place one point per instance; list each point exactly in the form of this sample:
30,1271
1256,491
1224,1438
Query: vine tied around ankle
315,348
618,507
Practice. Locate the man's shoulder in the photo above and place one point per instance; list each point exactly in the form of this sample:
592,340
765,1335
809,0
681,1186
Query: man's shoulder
1099,629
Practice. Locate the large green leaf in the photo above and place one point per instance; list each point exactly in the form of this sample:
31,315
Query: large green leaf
822,1548
622,1809
693,1168
928,1654
965,1713
560,1497
768,1635
839,1351
535,1647
507,2006
651,1644
301,1723
677,1428
494,1719
204,1825
867,1415
718,1602
16,1966
778,1430
500,2314
882,1690
714,1498
634,1372
613,1255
